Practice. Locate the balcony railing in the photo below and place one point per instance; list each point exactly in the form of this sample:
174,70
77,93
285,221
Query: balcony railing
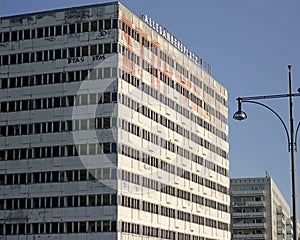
248,214
249,225
249,203
247,193
249,236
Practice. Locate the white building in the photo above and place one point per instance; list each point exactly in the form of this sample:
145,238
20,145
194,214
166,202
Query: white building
110,129
259,210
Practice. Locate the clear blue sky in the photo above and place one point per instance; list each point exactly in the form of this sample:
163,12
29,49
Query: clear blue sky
249,45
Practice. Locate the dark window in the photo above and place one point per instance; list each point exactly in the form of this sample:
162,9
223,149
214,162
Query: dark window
71,28
58,30
39,32
107,48
106,226
5,60
94,26
107,24
107,97
106,122
14,36
13,59
114,97
115,23
113,147
85,27
106,147
6,37
26,34
65,29
4,83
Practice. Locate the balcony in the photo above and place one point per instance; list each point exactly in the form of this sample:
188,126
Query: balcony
247,193
249,236
248,214
249,203
248,225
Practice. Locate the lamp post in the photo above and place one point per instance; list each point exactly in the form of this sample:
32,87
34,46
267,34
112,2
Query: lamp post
291,136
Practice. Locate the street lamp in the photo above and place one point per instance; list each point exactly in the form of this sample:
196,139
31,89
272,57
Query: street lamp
291,137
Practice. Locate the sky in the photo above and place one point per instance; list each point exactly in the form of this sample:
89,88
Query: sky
249,45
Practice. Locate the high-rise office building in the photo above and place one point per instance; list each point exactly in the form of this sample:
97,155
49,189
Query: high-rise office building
259,210
110,129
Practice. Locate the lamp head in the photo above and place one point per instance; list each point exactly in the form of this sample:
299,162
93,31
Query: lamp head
240,115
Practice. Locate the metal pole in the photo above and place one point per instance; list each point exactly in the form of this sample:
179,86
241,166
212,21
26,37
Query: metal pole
292,150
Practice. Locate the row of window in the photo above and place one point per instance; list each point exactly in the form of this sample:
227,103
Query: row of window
58,202
55,54
58,30
58,102
83,51
57,126
170,190
92,226
59,77
58,176
170,61
169,102
58,227
172,213
105,200
58,151
158,232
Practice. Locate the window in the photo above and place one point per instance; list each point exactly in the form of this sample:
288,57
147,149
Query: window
107,24
106,199
85,27
106,97
106,147
93,49
94,26
107,48
106,226
58,30
106,122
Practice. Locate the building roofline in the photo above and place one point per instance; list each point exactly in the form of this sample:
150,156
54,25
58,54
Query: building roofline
250,178
61,9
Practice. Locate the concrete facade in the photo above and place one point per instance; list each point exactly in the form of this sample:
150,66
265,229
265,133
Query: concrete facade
259,210
110,129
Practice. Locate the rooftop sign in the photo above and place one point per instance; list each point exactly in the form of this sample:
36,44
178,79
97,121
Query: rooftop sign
176,42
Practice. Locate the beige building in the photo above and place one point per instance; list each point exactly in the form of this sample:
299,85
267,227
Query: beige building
110,129
259,210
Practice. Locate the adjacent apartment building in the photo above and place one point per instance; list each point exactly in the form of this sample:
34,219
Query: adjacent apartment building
110,129
259,210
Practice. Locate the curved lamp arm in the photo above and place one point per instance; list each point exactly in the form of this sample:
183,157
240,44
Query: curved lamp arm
296,136
277,115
